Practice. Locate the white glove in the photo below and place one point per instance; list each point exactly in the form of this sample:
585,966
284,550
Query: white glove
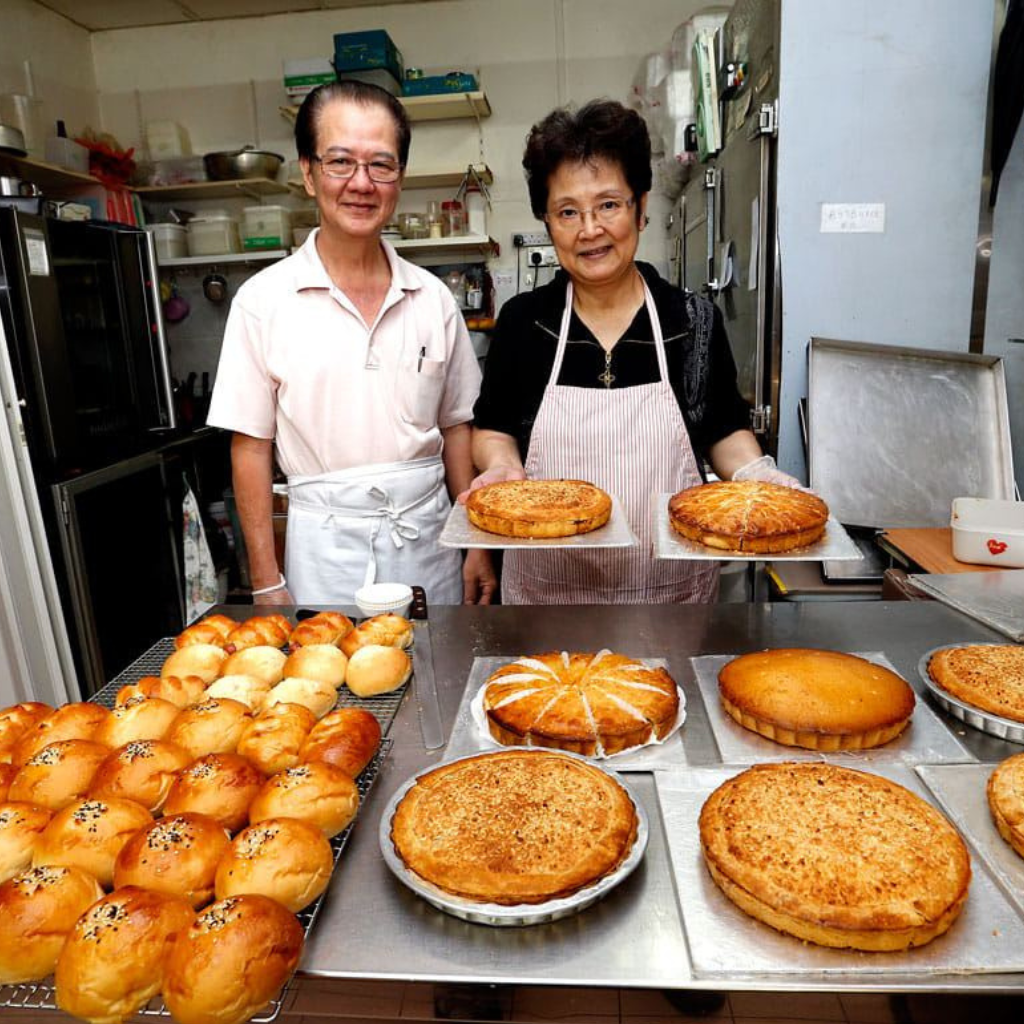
765,470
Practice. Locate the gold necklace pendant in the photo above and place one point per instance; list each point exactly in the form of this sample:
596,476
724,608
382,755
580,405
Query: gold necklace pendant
607,377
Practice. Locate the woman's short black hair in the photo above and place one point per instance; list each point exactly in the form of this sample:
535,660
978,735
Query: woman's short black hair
356,92
602,129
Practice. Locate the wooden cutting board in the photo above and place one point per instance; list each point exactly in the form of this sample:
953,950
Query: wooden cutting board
932,549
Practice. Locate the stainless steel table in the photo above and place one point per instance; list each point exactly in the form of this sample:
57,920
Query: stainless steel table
372,927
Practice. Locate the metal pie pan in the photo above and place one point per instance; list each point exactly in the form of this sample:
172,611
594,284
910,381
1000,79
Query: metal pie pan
985,721
496,914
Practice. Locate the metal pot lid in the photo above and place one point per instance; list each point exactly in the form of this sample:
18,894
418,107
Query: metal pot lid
244,150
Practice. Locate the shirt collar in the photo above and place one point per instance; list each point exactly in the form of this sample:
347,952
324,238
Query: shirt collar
310,271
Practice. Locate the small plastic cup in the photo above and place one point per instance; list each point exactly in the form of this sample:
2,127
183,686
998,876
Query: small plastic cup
379,598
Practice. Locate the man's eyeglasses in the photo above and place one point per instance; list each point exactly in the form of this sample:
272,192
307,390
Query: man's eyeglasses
384,172
608,211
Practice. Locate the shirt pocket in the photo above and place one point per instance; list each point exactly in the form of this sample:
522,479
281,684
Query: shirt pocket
420,387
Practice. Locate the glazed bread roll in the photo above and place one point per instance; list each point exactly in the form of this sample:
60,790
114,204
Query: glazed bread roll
89,834
270,630
388,630
77,721
317,661
347,738
20,827
179,690
375,669
263,662
203,660
232,961
177,855
141,771
59,774
213,726
248,690
38,908
282,858
138,718
15,721
322,628
213,630
319,697
272,740
111,963
7,773
221,786
317,793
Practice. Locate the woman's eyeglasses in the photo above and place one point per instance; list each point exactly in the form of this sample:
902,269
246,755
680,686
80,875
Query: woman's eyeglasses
341,168
608,211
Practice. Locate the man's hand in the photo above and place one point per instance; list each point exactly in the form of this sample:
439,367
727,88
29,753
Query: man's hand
765,470
479,580
496,475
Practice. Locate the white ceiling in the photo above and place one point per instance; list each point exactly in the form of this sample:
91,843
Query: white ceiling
99,15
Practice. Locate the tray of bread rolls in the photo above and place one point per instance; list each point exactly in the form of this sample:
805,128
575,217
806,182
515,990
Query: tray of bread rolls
178,832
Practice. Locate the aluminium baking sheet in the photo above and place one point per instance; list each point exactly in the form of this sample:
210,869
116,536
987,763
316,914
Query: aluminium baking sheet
469,733
459,532
961,791
837,545
925,740
724,941
993,598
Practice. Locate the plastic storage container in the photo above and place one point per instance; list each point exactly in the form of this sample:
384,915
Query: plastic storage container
302,76
171,241
360,51
987,531
213,233
476,211
166,139
266,227
453,217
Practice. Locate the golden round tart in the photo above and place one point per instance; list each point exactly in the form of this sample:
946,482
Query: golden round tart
1005,792
514,827
835,856
988,676
749,516
821,700
539,508
594,704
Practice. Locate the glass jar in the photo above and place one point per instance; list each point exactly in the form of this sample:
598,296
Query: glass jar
435,222
454,218
456,282
415,226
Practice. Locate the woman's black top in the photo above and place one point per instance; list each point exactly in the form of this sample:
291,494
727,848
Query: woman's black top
522,353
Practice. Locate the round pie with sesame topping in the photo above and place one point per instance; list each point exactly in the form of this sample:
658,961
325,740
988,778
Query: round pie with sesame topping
835,856
539,508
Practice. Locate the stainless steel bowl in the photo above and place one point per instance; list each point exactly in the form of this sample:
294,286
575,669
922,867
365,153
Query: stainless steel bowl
12,140
242,163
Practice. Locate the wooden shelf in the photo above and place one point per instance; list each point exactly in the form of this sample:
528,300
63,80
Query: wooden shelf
427,179
49,177
435,251
436,107
255,256
252,188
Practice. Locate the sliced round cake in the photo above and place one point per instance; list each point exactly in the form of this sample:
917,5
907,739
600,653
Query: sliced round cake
821,700
594,704
835,856
539,508
1005,792
748,516
988,676
514,827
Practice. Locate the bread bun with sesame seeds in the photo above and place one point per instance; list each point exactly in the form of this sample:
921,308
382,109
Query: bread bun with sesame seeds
219,785
211,726
138,718
20,827
272,740
77,721
111,963
142,771
59,774
179,690
15,721
316,792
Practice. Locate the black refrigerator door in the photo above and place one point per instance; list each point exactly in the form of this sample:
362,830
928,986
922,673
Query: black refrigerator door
119,538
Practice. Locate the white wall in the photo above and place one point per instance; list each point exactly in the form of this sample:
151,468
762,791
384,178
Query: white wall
880,102
59,56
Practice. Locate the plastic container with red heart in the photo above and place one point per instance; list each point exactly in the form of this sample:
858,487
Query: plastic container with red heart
988,532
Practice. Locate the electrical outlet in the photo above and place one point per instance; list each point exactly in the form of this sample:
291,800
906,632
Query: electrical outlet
526,239
541,256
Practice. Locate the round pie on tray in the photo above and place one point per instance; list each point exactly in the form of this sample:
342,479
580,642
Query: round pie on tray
539,508
987,676
748,516
594,704
821,700
1006,800
514,827
835,856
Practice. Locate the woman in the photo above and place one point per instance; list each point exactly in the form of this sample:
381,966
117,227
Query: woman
608,374
357,367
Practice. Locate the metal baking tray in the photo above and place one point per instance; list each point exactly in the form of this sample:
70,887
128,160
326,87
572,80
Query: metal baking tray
43,995
470,734
521,914
961,790
836,546
985,721
459,532
994,598
725,942
926,739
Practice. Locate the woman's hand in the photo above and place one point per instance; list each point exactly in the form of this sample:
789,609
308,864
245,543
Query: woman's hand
479,580
496,475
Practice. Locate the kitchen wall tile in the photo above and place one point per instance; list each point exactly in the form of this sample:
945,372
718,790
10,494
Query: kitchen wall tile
871,1007
329,997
